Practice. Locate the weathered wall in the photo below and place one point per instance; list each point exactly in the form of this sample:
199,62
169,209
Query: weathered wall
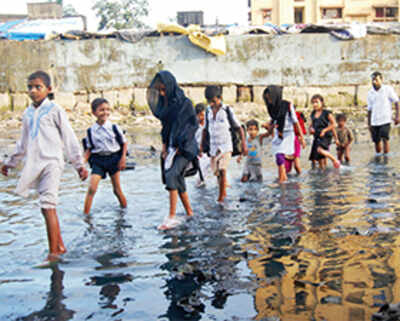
304,63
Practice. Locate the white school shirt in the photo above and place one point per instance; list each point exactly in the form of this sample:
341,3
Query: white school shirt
104,138
380,104
286,144
220,135
46,134
199,134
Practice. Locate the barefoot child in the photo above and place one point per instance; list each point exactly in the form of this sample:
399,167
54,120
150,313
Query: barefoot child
179,123
294,159
204,159
323,128
252,169
46,133
345,138
106,152
283,122
219,117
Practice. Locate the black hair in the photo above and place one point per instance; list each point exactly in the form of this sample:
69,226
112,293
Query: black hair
199,108
340,117
97,102
320,98
45,78
252,122
42,75
212,92
376,74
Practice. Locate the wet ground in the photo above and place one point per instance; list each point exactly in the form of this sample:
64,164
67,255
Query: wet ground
324,246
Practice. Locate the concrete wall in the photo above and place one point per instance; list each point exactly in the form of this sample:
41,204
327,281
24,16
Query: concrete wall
304,63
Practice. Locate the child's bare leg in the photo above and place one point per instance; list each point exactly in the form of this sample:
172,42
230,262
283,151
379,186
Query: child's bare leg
313,164
280,162
340,155
297,166
347,154
282,173
322,163
326,154
173,200
222,185
56,244
116,182
94,182
378,147
186,203
386,148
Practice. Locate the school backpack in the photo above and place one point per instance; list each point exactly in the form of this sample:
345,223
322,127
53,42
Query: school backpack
235,134
302,119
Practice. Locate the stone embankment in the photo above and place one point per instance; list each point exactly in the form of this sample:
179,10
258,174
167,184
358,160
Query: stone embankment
142,127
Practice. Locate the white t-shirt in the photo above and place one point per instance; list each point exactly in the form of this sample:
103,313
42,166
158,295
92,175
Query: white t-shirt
380,104
220,135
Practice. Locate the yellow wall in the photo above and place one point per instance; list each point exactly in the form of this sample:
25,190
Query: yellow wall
282,11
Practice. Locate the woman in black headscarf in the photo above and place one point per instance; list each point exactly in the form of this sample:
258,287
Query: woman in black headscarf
283,120
179,125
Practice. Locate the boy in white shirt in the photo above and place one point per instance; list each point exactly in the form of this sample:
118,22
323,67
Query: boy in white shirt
106,152
46,133
380,100
220,139
204,159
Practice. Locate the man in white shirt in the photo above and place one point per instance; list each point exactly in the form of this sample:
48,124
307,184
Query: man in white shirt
380,100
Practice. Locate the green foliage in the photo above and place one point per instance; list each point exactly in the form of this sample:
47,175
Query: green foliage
121,14
69,11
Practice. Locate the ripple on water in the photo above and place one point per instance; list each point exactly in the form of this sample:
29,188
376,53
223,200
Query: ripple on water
324,246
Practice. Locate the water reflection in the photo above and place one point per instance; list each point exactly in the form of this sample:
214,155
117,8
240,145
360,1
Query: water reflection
113,257
54,308
182,288
324,246
202,264
335,262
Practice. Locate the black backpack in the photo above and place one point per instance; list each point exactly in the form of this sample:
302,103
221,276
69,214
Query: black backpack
235,134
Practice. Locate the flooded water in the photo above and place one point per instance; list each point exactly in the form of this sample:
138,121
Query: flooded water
324,246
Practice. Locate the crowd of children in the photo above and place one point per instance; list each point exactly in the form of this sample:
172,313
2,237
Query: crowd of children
194,140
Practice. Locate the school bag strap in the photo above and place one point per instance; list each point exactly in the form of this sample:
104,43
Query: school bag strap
229,114
118,135
205,139
89,136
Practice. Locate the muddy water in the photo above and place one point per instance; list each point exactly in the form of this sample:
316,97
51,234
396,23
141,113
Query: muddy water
324,246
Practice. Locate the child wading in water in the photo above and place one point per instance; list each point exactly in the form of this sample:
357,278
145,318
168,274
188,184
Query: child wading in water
106,152
252,169
220,119
283,122
204,159
179,147
345,138
295,158
323,128
46,134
